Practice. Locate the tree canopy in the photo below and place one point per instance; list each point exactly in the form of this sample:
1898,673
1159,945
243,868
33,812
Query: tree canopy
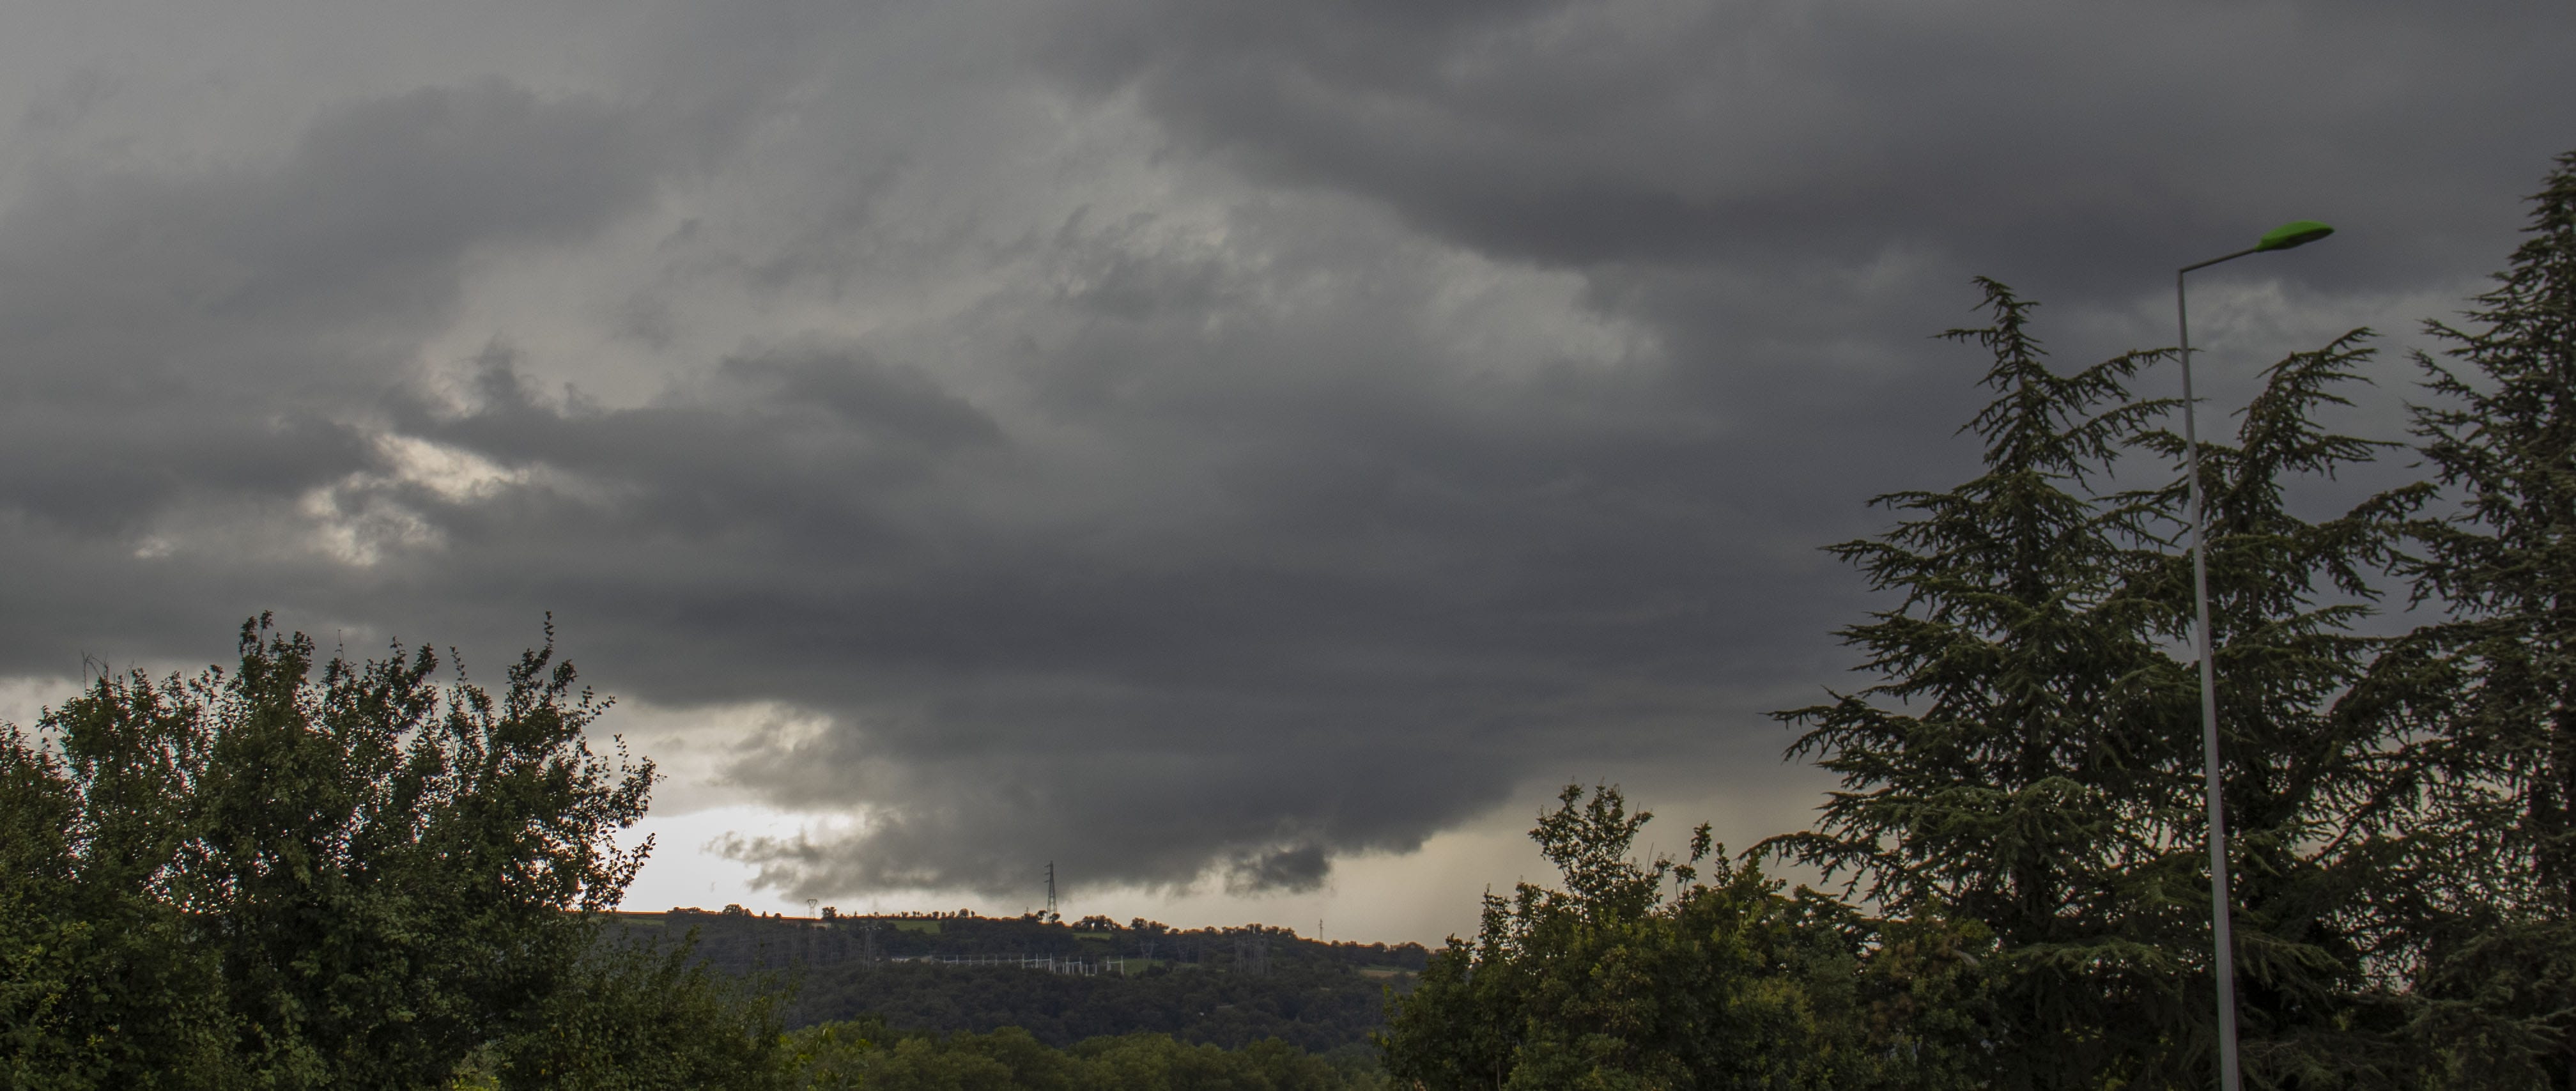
1726,981
293,874
2494,940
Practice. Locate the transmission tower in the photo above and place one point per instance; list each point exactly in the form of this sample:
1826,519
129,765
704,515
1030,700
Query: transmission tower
1051,913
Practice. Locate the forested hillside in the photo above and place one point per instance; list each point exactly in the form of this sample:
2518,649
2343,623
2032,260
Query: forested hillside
1063,982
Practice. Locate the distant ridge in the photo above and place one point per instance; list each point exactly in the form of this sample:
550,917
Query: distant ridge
1063,981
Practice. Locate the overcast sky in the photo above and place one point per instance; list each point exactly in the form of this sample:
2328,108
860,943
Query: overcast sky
1246,454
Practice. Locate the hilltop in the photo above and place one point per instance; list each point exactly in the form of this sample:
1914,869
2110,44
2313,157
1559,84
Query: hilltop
1063,981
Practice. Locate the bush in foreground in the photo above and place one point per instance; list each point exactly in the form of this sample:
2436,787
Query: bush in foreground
265,878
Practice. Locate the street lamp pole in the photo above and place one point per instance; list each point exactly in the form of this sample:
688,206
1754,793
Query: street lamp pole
2288,235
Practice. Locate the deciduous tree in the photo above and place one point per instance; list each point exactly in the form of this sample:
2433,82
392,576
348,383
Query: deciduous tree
1725,982
294,874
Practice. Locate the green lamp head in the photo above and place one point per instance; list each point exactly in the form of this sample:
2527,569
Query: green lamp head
2293,233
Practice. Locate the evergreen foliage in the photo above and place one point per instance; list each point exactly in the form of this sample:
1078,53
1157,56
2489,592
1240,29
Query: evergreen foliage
2313,718
2497,940
2020,779
2014,764
2029,755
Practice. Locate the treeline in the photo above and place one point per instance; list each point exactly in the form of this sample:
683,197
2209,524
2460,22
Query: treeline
863,1054
1230,987
2020,816
741,942
1311,1008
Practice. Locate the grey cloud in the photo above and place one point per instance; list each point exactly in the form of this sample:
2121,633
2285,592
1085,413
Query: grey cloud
175,336
357,231
814,425
1433,398
1300,584
1295,868
1108,811
393,191
2021,137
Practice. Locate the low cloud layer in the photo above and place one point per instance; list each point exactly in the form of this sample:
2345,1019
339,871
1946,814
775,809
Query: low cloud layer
1189,444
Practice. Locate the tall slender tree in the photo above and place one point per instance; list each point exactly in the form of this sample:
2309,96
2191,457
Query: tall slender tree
2499,956
2313,716
2030,756
2013,764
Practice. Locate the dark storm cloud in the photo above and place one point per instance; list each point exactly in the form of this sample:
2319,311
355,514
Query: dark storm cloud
1440,397
2023,138
1316,590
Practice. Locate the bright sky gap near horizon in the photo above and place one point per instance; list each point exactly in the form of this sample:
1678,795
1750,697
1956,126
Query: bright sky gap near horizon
1247,455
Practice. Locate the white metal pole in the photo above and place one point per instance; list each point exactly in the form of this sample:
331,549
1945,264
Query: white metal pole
2224,957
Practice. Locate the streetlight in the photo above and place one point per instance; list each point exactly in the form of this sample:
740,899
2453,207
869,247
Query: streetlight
2294,233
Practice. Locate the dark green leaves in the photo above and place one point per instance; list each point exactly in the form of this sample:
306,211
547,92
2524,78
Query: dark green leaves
351,880
1726,982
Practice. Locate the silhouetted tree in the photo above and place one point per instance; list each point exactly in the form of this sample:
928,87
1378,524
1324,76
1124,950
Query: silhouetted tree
2030,756
2499,951
1727,982
2015,763
2313,717
264,878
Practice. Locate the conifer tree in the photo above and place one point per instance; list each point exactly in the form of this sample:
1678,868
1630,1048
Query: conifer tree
2312,716
2499,951
2014,764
